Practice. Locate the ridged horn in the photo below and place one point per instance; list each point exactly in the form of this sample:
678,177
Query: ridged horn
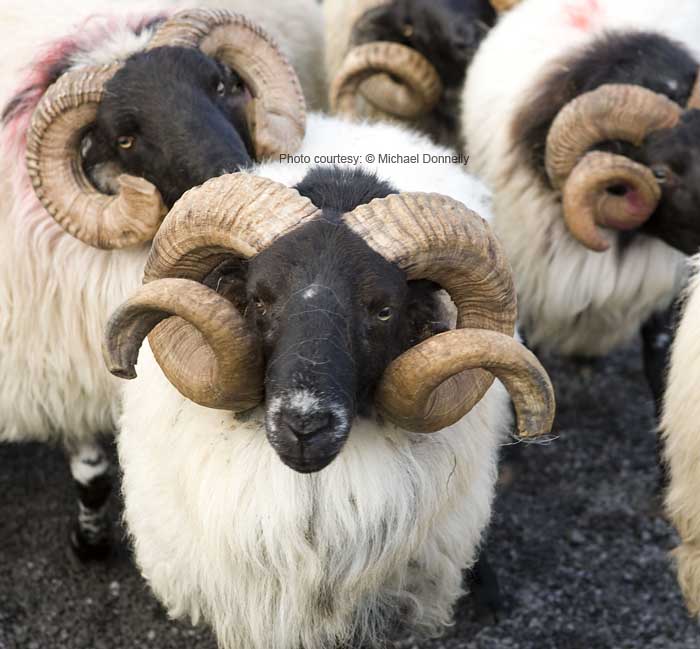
67,108
395,79
224,363
434,384
588,204
694,101
236,215
611,112
277,110
504,5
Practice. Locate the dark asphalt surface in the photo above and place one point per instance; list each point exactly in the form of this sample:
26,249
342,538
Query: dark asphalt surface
580,551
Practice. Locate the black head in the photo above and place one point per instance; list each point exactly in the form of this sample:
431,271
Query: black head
645,59
674,157
331,314
446,32
173,116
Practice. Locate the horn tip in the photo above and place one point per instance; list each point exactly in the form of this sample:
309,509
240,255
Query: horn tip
534,427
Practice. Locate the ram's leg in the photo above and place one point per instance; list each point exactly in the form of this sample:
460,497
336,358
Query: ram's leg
482,582
657,337
90,535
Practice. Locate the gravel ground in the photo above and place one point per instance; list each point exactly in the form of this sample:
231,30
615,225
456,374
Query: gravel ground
577,542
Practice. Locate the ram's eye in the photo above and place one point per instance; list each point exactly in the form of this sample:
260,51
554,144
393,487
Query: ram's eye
237,84
661,173
385,314
407,29
220,89
125,141
260,306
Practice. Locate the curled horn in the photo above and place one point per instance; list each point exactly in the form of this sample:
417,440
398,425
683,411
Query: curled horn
67,108
611,112
277,111
224,363
504,5
205,351
434,384
395,79
694,101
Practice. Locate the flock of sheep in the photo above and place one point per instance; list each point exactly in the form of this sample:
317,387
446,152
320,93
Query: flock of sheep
323,357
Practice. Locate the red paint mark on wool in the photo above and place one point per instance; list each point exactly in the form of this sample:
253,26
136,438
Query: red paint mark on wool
41,73
53,60
583,15
33,87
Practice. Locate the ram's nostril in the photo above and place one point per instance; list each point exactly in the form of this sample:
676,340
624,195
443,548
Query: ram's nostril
306,425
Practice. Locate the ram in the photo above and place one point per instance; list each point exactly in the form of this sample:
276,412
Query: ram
326,515
582,117
117,119
404,59
681,438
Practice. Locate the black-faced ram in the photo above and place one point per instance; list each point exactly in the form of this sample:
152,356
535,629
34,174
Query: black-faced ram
326,514
117,117
582,116
404,59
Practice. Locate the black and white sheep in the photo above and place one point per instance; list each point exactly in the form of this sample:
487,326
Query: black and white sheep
341,279
681,436
404,59
582,117
121,100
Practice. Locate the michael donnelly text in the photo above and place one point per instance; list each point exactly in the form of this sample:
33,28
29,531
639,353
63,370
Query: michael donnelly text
381,158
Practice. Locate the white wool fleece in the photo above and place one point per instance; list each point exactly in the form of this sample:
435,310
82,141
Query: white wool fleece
680,429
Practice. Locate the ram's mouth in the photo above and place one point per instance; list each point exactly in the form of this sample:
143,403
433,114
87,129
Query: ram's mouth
307,456
302,464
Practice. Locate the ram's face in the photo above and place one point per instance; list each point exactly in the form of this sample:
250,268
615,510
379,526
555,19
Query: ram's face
446,32
331,314
173,116
673,155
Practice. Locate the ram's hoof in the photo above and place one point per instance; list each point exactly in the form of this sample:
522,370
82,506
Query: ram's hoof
84,550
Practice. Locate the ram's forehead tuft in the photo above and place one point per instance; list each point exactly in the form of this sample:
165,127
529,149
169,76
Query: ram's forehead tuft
115,43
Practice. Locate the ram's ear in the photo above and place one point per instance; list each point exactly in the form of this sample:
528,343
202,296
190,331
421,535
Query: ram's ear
228,278
425,311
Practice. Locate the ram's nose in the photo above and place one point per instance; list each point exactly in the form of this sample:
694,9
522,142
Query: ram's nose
307,431
306,426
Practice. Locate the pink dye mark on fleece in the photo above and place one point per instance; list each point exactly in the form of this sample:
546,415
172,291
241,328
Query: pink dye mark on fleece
32,88
89,34
583,15
39,76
